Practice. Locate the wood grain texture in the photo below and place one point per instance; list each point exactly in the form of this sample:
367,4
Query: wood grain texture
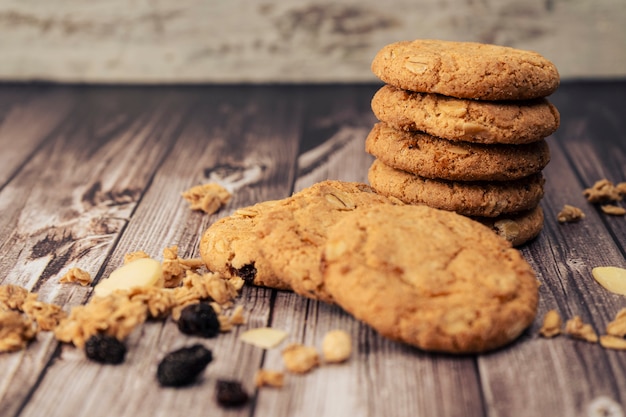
191,41
102,176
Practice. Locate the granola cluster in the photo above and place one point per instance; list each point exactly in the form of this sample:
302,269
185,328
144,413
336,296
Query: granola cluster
22,315
208,198
614,337
118,313
604,191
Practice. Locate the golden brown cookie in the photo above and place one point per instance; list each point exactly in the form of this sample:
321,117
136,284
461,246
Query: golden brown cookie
432,157
278,244
430,278
518,228
477,198
466,70
510,122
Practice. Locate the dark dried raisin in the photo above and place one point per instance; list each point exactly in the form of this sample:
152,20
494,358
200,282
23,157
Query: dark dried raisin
199,320
230,393
105,349
247,273
181,367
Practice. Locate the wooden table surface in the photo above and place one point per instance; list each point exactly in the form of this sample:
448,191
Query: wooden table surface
88,174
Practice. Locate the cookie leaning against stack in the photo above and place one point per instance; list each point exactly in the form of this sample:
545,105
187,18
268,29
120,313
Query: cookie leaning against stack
462,128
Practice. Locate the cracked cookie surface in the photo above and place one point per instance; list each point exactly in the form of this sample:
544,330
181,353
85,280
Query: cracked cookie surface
466,70
282,240
429,278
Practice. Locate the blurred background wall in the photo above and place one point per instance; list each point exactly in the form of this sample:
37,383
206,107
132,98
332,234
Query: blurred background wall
229,41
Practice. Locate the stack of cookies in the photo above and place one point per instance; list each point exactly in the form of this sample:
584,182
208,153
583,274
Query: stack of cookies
462,128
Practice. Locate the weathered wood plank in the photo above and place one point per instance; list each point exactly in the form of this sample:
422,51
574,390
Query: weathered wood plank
246,139
564,376
27,118
285,41
68,204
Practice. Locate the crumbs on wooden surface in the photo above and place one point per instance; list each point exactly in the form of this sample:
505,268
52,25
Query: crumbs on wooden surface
208,198
268,378
76,275
579,330
613,210
552,323
175,268
604,191
300,359
16,331
336,346
133,256
570,214
617,327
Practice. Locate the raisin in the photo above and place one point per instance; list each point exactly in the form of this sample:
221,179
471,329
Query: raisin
199,320
230,393
181,367
247,273
105,349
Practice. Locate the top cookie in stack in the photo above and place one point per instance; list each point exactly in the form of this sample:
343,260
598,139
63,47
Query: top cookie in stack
462,128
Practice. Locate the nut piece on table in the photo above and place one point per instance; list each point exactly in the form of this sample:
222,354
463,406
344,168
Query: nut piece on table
552,323
208,198
336,346
570,214
579,330
300,359
143,272
611,278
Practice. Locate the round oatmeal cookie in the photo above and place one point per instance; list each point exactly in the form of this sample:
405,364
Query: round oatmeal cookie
430,278
476,198
466,70
232,247
279,244
508,122
432,157
517,228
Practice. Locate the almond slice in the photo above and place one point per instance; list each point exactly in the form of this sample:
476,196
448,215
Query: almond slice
263,337
611,277
144,272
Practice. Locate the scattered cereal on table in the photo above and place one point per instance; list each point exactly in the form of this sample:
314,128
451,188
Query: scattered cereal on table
613,209
77,275
12,297
15,331
336,346
552,323
618,326
208,198
579,330
267,378
570,214
176,268
300,359
602,191
133,256
613,342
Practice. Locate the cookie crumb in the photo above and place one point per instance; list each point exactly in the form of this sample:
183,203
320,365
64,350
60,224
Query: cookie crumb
602,191
15,331
133,256
13,297
570,214
617,327
208,198
613,210
77,275
552,323
300,359
175,268
579,330
336,346
612,342
267,378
